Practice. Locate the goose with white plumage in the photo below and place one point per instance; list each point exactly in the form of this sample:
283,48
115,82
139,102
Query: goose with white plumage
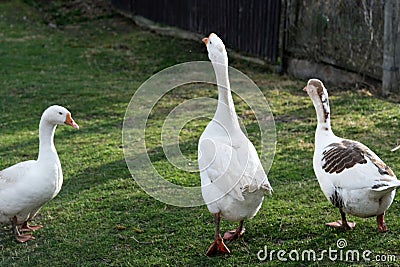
233,181
26,186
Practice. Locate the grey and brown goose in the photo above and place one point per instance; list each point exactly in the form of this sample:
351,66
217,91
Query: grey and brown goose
352,177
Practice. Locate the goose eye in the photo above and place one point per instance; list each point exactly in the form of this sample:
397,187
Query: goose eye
60,113
210,41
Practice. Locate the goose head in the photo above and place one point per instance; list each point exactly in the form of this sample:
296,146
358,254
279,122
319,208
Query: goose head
216,49
319,96
58,115
316,90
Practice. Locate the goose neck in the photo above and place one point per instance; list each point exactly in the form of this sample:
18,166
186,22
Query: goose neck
321,105
46,140
226,108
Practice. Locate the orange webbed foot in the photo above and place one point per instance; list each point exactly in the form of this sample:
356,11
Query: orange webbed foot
217,247
339,224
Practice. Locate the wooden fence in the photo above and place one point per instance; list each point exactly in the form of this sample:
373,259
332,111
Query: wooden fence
251,26
357,36
345,34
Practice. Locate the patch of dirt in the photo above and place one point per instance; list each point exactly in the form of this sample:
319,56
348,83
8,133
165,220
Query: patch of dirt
60,12
90,9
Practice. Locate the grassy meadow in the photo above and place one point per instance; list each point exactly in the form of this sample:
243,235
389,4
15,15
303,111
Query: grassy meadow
102,217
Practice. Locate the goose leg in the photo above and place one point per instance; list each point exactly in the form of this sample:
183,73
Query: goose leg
344,224
235,234
381,223
29,228
18,237
218,246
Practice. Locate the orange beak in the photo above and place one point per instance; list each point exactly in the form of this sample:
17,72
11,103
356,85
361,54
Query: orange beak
305,89
205,40
70,121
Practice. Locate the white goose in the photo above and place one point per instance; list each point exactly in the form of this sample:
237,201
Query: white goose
26,186
232,178
351,176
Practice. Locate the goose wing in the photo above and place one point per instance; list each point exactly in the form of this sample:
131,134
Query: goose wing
14,173
233,168
351,164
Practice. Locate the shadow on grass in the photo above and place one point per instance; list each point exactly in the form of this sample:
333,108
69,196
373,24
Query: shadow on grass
92,177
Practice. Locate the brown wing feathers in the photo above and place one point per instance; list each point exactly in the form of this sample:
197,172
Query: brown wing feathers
346,154
342,156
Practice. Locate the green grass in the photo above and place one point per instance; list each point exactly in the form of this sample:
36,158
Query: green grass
93,67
